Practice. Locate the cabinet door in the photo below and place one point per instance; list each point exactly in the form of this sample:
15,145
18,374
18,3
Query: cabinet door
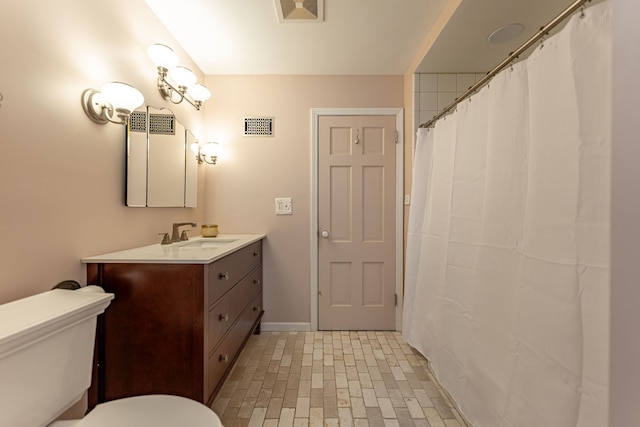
154,330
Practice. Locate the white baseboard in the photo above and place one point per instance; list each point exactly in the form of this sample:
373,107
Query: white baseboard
285,327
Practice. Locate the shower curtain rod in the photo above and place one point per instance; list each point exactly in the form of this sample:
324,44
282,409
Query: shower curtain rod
544,31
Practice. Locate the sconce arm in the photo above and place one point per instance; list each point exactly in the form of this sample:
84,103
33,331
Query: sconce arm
167,90
100,111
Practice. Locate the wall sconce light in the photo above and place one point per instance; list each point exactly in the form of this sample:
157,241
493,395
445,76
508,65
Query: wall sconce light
206,154
113,100
176,83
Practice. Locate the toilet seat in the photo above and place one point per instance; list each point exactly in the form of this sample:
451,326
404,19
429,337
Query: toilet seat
157,410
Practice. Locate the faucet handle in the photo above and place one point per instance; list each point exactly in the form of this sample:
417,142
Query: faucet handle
165,238
184,236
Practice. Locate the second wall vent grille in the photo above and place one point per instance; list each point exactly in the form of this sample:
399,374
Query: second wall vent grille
258,126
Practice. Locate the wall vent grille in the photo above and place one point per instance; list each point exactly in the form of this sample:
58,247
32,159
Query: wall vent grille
258,126
138,121
164,124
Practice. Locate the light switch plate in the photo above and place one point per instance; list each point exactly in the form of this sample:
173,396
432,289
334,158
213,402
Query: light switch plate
283,206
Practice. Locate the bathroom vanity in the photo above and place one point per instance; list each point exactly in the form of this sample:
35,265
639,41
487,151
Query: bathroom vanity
180,316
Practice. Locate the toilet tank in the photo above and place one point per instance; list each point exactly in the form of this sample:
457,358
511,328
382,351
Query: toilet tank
46,353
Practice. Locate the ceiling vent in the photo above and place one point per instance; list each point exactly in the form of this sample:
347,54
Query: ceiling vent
300,10
258,126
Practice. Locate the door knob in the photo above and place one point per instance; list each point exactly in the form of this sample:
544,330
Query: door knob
324,233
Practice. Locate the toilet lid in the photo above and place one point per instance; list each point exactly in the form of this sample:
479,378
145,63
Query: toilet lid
157,410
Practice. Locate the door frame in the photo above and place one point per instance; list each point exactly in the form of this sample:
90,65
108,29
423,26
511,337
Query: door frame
316,113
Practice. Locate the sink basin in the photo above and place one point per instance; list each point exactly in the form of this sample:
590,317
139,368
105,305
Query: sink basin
207,243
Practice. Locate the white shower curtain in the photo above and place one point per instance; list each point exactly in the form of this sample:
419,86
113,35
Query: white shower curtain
507,269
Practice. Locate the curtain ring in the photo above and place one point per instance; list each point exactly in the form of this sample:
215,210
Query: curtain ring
542,37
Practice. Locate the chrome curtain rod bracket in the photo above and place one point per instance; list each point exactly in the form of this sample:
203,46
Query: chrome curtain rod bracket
544,31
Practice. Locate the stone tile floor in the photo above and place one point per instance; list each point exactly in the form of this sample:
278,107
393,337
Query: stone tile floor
342,378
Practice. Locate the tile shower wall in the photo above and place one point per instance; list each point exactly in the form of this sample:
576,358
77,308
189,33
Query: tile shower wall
433,92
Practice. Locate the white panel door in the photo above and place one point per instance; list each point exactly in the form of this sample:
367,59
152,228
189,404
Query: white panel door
356,218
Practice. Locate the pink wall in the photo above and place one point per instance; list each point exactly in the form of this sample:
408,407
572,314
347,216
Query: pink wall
254,171
61,175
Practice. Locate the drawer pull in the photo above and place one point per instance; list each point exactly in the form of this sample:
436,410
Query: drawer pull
224,358
256,281
224,317
224,276
255,309
256,254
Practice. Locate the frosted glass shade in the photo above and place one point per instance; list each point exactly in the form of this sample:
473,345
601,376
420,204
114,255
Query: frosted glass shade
183,76
122,96
162,56
211,149
199,92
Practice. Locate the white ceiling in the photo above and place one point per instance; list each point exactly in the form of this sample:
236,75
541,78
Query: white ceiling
356,36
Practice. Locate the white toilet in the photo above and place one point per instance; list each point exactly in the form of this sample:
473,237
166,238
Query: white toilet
46,355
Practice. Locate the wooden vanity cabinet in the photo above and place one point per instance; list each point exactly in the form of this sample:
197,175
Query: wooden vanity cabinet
174,328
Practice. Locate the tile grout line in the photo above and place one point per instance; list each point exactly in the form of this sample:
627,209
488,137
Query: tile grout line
333,378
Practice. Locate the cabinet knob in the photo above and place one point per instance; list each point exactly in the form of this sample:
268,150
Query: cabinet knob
224,358
224,317
256,254
256,281
224,276
255,309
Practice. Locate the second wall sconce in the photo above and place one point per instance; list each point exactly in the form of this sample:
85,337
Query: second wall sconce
175,83
113,100
208,153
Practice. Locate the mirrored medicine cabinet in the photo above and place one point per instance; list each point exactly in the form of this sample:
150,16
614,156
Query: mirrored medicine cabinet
162,171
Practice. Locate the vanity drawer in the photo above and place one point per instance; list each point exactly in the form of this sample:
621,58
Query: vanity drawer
226,272
256,307
221,359
225,312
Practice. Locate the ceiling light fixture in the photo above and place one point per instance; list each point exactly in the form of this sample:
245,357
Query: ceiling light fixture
505,34
176,83
113,100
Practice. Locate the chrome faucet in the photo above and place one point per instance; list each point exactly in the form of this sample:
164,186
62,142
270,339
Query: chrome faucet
175,235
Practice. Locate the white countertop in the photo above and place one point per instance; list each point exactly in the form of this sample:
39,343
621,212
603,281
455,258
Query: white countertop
188,252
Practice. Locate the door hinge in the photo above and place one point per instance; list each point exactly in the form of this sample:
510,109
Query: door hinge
396,300
397,136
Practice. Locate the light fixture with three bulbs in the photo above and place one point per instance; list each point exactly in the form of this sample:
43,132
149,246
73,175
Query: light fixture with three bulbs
176,83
